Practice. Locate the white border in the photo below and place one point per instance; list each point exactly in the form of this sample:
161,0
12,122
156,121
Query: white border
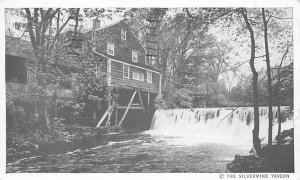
143,3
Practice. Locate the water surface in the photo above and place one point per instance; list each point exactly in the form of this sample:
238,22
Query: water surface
134,152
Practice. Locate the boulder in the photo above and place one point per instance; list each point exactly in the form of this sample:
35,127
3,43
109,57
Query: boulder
247,164
285,137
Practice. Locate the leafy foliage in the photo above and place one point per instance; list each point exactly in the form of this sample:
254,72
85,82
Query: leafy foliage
173,98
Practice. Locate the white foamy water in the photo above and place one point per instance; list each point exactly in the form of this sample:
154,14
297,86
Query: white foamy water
214,125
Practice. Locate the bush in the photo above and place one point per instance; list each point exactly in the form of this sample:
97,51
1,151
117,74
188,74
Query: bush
173,98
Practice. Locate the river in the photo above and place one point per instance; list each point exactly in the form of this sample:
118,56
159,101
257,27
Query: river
134,152
194,141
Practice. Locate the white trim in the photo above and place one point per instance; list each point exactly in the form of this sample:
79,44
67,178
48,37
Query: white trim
128,73
135,66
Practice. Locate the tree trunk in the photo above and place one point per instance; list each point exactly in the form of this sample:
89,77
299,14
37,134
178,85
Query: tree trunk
270,94
256,140
277,90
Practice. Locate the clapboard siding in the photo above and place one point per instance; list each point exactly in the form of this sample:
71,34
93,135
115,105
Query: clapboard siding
122,48
118,79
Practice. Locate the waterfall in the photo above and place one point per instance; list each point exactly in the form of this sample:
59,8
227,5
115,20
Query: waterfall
216,125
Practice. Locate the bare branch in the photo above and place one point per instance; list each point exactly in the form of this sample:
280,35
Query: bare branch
288,18
30,30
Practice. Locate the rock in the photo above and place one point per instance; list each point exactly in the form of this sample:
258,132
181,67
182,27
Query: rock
248,164
285,137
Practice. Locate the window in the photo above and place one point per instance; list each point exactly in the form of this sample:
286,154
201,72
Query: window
149,76
138,76
110,48
141,76
134,56
125,71
123,34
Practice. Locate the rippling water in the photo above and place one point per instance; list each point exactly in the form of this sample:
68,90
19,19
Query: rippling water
191,140
135,152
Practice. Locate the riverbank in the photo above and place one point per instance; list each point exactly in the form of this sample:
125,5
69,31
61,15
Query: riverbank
60,140
281,157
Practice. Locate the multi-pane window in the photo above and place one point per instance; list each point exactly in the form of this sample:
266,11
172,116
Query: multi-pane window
123,34
110,48
134,56
125,71
149,76
138,76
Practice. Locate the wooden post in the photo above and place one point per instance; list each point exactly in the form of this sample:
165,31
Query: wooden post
109,106
141,101
103,117
110,112
125,113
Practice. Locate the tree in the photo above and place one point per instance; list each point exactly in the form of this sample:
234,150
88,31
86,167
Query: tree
256,140
278,86
50,31
270,94
39,25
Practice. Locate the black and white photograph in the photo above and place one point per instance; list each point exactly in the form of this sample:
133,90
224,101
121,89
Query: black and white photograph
150,89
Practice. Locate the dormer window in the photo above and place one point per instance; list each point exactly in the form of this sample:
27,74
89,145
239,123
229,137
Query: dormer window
134,56
110,48
123,34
